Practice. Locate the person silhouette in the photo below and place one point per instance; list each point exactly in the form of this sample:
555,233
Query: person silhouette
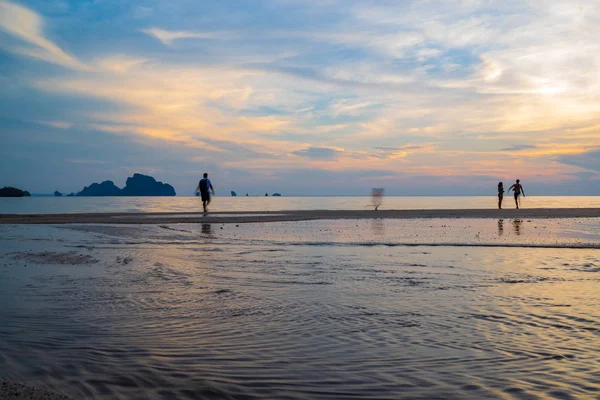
500,194
518,189
205,187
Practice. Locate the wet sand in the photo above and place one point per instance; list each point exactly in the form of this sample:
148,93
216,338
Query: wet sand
133,267
295,215
14,391
322,309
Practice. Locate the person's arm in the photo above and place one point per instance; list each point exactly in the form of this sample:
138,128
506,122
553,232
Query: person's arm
523,191
510,188
211,187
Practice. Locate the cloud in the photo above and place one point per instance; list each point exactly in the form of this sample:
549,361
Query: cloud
518,147
454,89
168,37
142,12
586,175
57,124
119,63
321,153
26,25
346,107
589,160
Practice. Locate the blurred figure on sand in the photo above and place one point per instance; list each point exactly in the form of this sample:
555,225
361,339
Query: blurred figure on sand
205,187
377,196
500,194
518,189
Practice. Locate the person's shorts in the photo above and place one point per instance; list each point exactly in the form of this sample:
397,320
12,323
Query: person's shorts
205,196
517,195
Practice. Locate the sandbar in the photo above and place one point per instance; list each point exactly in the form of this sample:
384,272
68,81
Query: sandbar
294,215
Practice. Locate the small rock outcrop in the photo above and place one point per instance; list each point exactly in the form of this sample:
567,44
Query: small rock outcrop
137,185
13,192
233,193
71,195
106,188
57,194
276,195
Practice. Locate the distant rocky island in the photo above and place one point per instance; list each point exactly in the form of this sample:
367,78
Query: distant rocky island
13,192
137,185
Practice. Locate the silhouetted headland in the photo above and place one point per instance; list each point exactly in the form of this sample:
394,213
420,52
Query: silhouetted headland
137,185
13,192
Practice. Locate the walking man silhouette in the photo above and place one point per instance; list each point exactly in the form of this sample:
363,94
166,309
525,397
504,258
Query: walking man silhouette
205,186
518,189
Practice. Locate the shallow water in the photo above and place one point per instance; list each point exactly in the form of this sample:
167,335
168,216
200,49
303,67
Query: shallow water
302,310
69,205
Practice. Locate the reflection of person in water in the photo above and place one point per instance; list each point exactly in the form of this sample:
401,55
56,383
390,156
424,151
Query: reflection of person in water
207,229
517,226
500,194
378,226
500,227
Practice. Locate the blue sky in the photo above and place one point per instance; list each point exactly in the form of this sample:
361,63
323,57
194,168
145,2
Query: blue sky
302,97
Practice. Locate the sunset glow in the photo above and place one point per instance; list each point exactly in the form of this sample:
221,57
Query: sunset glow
302,97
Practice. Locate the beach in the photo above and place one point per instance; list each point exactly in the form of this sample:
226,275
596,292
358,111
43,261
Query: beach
421,304
295,215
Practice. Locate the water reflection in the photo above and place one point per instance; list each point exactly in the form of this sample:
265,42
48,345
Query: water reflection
207,229
62,205
517,226
378,227
500,227
228,318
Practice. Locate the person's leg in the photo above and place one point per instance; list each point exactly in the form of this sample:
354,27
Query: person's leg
499,202
517,200
204,205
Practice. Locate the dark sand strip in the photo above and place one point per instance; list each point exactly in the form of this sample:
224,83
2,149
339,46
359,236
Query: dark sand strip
14,391
276,216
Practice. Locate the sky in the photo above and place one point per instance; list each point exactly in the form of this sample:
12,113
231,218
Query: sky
329,97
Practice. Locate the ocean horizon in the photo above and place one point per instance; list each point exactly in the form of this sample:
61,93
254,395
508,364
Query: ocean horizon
119,204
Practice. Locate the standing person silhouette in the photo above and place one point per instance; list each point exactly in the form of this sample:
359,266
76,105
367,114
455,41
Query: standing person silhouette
205,186
500,194
518,189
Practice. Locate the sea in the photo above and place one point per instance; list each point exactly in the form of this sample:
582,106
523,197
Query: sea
65,205
438,308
